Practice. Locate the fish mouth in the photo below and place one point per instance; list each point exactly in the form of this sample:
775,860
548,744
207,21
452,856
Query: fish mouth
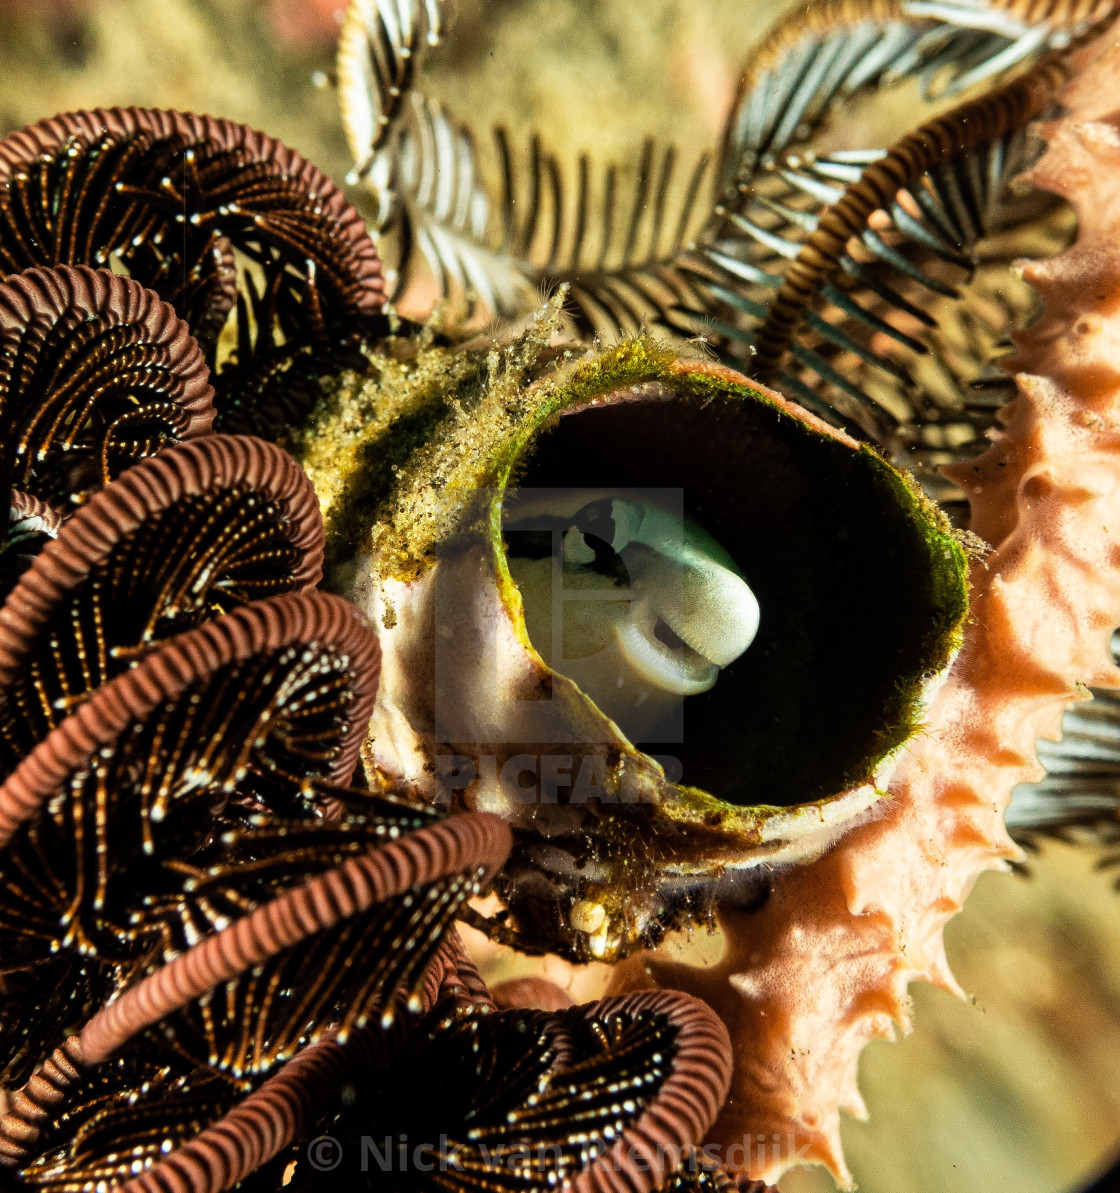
660,656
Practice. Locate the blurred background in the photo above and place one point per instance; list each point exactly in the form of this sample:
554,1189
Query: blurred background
1017,1089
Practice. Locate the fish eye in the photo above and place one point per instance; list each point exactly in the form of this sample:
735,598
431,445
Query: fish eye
597,525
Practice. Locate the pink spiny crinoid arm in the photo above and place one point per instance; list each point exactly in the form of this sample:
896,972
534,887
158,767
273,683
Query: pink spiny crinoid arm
824,966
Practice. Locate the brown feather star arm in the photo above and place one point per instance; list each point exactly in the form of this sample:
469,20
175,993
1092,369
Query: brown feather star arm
699,1174
264,986
390,908
95,373
257,856
149,1103
153,1127
617,1090
32,523
611,1094
899,349
248,707
983,123
185,1133
199,530
453,978
171,197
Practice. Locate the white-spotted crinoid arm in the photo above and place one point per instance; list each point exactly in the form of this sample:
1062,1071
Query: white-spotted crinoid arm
824,966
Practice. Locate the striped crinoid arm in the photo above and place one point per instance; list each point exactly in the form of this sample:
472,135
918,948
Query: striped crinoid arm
172,197
1081,790
229,719
834,49
95,373
154,1128
151,1118
897,344
290,967
234,1146
877,287
667,1043
141,1125
382,46
197,531
279,978
888,183
453,978
32,523
824,966
698,1174
86,1132
612,1094
33,515
616,1091
887,319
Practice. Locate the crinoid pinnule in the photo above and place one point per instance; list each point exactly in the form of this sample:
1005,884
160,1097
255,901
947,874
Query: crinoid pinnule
214,217
407,879
95,373
453,978
877,288
233,1147
616,1091
898,346
824,966
254,661
612,1093
201,529
281,993
233,717
32,523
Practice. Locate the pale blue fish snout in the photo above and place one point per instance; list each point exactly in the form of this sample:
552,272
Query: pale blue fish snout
695,614
684,611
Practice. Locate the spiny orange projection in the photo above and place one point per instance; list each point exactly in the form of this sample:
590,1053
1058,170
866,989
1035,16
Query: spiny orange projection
825,965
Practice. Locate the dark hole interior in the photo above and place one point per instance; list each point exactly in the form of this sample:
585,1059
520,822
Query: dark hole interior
842,574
